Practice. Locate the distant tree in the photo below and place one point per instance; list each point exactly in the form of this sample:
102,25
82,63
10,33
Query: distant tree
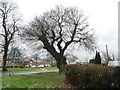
51,59
59,29
97,58
18,53
106,58
36,57
9,26
71,58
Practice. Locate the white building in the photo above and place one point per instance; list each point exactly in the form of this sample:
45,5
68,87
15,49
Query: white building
114,63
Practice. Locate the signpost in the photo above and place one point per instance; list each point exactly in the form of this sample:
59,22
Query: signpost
12,66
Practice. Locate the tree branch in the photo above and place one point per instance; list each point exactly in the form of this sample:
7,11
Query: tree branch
72,38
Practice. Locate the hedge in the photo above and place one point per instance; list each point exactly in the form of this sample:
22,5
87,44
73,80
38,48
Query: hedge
92,76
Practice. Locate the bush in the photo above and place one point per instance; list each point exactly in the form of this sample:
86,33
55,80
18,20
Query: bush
116,76
92,76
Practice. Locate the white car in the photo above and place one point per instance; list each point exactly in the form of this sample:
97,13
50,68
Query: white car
47,65
33,66
40,66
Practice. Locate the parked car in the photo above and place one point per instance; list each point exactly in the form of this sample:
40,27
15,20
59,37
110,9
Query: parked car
47,65
40,66
33,66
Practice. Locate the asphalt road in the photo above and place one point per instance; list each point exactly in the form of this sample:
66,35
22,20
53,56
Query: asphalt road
26,73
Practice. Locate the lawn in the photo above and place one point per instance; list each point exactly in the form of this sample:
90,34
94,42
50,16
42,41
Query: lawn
24,69
42,80
50,68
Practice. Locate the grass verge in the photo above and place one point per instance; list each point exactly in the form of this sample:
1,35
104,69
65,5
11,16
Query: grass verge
54,80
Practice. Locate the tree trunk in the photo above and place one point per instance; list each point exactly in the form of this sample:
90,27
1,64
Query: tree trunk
61,63
4,68
60,59
61,67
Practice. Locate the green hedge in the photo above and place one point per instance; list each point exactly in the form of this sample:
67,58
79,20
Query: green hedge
92,76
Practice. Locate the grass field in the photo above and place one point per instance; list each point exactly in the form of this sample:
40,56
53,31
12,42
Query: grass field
50,68
42,80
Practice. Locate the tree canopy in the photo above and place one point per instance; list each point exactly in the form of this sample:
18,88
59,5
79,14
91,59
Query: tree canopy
60,28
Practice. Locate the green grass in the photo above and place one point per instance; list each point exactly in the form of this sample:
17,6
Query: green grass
24,69
49,73
50,68
55,81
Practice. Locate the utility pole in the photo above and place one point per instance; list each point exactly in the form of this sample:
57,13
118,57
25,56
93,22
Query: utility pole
113,57
107,53
119,31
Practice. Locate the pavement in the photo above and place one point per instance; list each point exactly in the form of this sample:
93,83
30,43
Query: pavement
25,73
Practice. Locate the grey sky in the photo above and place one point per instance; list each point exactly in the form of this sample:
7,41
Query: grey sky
103,17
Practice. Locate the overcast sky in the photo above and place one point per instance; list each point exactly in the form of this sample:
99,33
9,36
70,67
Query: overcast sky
103,17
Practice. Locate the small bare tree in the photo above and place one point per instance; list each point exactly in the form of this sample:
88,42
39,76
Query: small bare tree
58,29
71,58
9,26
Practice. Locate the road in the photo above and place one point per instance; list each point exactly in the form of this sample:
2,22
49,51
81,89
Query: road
26,73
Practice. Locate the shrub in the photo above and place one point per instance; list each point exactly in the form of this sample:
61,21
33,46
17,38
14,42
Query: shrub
92,76
116,77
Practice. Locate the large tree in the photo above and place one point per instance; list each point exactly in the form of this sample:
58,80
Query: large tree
58,29
8,28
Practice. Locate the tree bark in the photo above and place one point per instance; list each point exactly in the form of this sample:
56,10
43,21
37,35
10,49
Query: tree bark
4,68
61,64
60,59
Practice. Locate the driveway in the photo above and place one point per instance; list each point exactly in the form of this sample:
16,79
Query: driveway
26,73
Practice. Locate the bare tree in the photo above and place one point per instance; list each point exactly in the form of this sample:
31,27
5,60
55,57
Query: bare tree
58,29
106,58
50,59
9,27
71,58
